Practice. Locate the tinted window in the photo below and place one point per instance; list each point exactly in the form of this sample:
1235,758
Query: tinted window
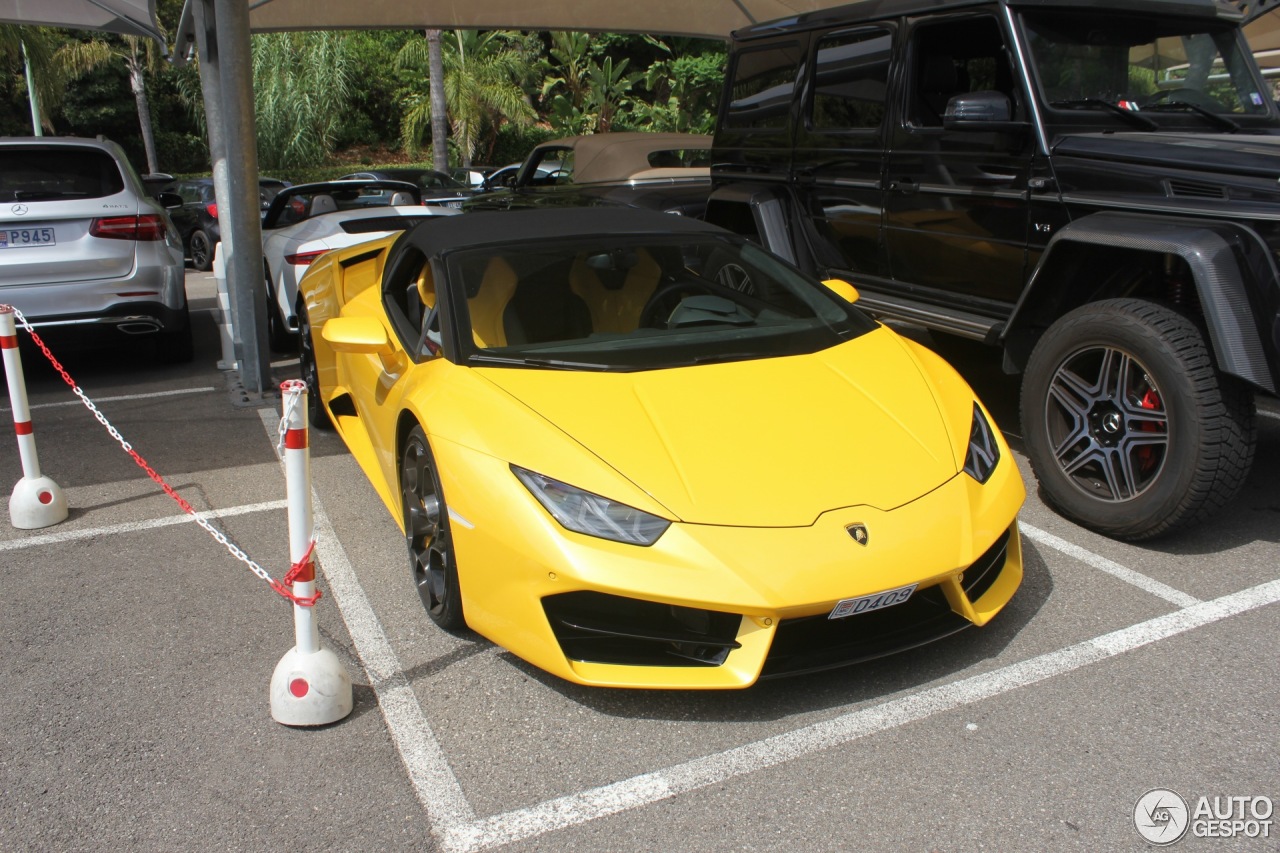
40,174
852,76
763,83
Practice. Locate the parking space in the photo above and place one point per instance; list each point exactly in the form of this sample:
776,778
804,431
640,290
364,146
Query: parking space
137,652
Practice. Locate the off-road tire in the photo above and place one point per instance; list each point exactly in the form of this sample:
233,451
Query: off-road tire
1208,419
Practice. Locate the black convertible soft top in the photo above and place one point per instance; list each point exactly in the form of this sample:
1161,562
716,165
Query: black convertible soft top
444,234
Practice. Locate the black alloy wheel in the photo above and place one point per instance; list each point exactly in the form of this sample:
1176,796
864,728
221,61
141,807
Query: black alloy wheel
317,415
1130,429
427,534
201,251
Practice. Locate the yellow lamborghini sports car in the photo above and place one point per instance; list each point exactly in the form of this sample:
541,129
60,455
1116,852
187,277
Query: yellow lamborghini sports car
639,451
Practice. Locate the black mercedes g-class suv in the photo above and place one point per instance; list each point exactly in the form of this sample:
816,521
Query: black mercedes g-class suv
1089,184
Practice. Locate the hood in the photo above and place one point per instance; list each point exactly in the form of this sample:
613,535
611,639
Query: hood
767,443
1235,154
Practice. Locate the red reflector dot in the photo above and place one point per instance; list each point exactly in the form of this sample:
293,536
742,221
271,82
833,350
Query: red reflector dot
298,687
45,497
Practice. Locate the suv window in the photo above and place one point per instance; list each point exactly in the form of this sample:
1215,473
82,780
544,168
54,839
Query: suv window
39,174
763,83
957,57
852,75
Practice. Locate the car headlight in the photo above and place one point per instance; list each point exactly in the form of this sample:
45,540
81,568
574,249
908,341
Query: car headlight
983,453
584,512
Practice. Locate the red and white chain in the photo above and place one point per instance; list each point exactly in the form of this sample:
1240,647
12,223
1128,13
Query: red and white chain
217,535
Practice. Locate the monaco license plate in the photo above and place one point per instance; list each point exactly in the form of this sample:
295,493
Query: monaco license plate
16,238
875,601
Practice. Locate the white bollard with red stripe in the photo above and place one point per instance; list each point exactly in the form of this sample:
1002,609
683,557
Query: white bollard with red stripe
36,500
310,686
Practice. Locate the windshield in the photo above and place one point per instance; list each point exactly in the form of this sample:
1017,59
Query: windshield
1150,65
639,303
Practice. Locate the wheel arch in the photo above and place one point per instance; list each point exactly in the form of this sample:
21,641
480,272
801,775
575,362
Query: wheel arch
1224,260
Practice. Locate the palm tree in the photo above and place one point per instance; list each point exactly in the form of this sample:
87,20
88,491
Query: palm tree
138,54
30,50
482,89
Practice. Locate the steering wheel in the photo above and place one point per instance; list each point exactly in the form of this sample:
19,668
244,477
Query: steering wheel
665,299
736,278
1185,94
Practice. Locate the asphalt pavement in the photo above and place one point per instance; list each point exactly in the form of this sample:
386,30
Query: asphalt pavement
136,653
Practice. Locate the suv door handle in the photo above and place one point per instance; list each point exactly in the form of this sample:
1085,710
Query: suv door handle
904,185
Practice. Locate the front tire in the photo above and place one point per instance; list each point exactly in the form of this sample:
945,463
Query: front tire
1130,429
427,533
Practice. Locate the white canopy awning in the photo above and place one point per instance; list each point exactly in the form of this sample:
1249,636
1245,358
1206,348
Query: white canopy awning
130,17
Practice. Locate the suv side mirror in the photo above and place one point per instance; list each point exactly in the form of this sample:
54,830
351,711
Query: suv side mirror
985,110
169,200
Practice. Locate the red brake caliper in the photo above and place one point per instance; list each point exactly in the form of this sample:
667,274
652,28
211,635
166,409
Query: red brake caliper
1147,455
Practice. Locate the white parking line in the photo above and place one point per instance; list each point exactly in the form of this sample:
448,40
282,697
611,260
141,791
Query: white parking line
1147,584
134,526
688,776
77,402
429,772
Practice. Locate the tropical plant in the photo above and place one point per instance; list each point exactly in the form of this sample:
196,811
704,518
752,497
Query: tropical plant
482,77
301,85
582,92
682,91
34,47
138,55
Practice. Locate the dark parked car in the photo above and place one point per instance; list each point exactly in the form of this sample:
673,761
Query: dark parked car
1088,184
197,216
437,187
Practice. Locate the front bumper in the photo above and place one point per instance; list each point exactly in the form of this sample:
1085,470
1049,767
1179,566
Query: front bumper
720,607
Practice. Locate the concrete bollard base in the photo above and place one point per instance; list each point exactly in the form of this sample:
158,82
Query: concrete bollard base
36,502
310,689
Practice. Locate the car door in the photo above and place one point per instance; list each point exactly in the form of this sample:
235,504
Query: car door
378,382
956,203
838,163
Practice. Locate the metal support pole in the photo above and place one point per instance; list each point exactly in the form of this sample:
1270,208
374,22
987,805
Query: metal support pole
222,28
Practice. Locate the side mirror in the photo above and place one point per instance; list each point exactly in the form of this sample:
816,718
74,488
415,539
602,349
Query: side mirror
169,200
985,110
842,288
363,335
357,334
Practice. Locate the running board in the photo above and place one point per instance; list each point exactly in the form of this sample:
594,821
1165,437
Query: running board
961,323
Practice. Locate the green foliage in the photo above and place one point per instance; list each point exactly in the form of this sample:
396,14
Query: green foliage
505,92
301,85
483,85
